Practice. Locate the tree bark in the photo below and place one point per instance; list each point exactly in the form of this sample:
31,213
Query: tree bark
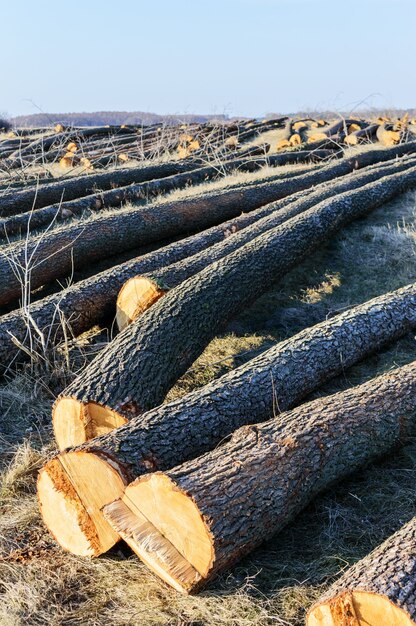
63,211
364,134
53,255
54,191
274,381
47,191
137,369
379,590
341,126
43,217
221,506
140,292
93,300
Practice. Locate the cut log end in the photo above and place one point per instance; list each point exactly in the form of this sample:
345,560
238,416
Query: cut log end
351,140
317,137
165,528
72,489
358,608
136,296
75,422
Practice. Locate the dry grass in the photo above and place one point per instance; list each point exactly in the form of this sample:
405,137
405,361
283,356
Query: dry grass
39,584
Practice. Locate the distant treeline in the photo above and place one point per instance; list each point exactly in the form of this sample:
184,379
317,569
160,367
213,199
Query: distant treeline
365,113
102,118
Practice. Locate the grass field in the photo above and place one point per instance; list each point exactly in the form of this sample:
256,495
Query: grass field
40,584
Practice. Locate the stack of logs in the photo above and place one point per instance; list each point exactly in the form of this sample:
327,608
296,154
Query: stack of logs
175,480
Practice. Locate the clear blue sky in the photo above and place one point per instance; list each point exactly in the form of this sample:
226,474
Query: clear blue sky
241,57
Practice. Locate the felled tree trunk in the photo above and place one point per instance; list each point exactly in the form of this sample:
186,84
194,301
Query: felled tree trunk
55,255
364,134
197,519
380,590
140,292
62,211
54,191
274,381
147,358
92,300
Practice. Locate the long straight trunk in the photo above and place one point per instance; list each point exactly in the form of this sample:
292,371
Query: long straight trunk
135,371
379,590
274,381
55,254
197,519
93,300
62,211
140,292
52,192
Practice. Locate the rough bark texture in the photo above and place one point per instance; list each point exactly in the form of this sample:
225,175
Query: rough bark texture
389,571
340,126
274,381
172,275
68,189
274,469
137,369
55,253
93,299
62,211
367,133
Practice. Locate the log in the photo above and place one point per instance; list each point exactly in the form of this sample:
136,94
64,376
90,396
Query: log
44,144
197,519
140,292
388,137
41,144
364,134
56,253
43,217
280,378
284,141
379,590
147,358
92,300
342,126
40,194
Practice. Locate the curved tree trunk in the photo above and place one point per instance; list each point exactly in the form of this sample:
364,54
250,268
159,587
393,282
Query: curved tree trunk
137,369
140,292
379,590
199,518
54,255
